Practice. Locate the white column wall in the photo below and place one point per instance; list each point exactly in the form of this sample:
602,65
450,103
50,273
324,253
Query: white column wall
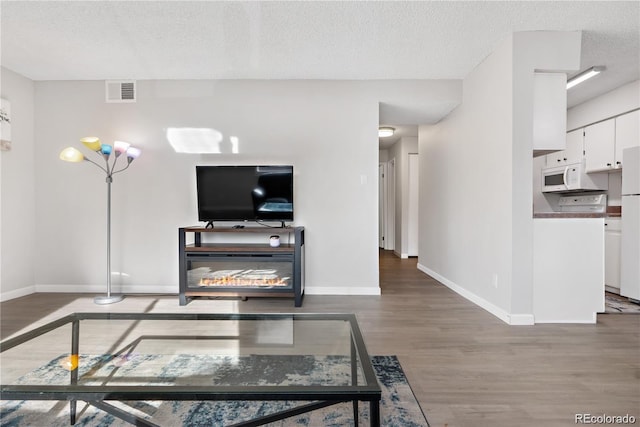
465,188
476,229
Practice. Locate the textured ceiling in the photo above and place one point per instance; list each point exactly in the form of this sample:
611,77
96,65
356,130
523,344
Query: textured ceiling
100,40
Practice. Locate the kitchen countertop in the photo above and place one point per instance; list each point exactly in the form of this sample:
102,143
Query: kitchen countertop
569,215
612,212
575,215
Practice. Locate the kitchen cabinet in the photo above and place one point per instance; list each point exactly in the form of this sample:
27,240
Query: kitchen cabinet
605,141
572,154
568,269
599,146
627,133
549,111
612,245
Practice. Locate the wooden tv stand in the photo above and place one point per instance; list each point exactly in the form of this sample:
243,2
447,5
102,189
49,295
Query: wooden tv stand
236,256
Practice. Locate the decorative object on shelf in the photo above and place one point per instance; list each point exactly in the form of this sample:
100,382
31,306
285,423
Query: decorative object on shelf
71,154
5,125
274,241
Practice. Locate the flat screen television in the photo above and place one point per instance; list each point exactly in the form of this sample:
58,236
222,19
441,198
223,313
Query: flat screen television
245,193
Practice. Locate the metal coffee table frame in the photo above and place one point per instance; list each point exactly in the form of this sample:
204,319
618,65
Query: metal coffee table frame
97,395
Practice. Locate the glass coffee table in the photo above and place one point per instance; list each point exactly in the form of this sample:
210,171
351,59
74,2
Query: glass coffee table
309,361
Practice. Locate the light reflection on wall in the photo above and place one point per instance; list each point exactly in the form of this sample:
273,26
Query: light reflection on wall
235,144
201,141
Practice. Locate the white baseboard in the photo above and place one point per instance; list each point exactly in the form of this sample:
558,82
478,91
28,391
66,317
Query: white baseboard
88,289
340,290
75,289
400,255
508,318
612,289
521,319
591,320
17,293
116,289
168,289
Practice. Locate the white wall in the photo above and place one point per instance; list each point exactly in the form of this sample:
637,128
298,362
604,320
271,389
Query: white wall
618,101
476,229
542,202
18,258
465,187
400,151
383,156
282,122
276,122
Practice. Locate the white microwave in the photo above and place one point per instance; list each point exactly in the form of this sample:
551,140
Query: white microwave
572,178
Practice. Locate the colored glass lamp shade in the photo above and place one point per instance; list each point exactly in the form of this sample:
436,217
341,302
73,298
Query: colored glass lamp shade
105,149
92,143
133,153
71,154
120,147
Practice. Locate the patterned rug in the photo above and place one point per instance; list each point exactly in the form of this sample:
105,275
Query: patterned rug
617,304
398,408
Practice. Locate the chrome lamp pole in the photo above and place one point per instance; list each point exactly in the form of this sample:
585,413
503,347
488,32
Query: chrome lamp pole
71,154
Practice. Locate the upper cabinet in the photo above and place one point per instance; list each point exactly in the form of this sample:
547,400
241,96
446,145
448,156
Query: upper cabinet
599,146
570,155
604,141
549,111
627,133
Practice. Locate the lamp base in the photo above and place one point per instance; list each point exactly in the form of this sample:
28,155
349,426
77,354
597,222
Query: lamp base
108,299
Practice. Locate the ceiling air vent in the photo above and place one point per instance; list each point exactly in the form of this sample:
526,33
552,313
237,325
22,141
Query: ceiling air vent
120,90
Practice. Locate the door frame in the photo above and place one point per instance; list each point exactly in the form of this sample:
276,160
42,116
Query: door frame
387,204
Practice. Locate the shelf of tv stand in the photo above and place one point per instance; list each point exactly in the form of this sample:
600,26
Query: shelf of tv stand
243,229
240,247
287,252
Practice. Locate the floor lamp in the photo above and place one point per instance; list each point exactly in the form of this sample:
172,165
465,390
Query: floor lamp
71,154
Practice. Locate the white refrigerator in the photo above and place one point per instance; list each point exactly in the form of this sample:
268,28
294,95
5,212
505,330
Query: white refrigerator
630,248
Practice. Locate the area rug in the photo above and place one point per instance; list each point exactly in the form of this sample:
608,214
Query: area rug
398,408
617,304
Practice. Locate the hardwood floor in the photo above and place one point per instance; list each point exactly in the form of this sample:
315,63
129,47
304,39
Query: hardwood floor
466,367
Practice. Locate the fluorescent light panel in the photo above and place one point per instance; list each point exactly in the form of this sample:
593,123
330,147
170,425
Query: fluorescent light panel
587,74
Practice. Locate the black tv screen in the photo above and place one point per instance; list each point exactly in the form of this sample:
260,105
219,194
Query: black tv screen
245,193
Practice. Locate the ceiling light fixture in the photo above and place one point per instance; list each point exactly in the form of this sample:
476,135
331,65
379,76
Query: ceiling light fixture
385,131
587,74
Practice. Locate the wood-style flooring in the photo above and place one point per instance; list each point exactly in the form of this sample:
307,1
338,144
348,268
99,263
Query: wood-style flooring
466,367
